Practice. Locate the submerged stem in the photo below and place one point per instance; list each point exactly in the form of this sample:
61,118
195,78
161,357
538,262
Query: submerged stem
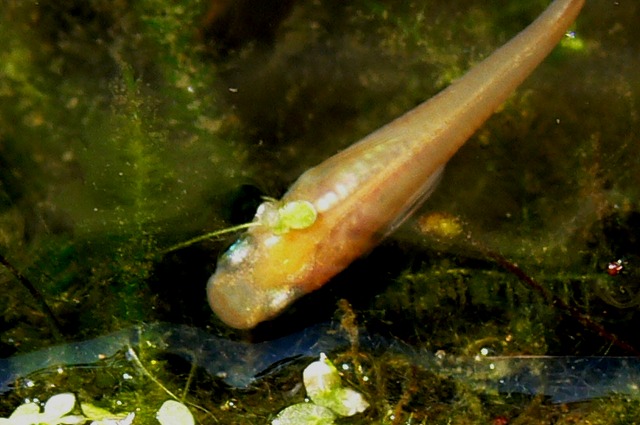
209,235
37,296
553,299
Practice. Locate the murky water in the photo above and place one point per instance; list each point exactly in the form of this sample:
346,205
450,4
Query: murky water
125,129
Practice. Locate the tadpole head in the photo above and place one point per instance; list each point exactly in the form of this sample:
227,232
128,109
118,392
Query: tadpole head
237,292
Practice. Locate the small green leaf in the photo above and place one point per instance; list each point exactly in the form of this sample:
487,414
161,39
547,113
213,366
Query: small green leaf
25,409
173,413
25,414
342,401
124,420
94,412
324,387
321,377
298,214
70,420
59,405
304,414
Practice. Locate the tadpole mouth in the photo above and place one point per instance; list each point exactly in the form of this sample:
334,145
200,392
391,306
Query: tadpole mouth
241,303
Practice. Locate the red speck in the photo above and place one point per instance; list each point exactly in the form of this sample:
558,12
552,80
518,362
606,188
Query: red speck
500,420
614,268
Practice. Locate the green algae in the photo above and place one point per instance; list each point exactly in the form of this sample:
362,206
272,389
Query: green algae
107,152
122,133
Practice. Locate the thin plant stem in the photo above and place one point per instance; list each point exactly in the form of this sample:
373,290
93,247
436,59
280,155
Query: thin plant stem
51,319
553,299
210,235
132,354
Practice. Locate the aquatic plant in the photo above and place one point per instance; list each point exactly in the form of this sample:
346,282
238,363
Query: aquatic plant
329,398
54,412
124,159
57,408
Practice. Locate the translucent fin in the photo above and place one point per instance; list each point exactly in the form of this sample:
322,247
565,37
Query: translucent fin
416,201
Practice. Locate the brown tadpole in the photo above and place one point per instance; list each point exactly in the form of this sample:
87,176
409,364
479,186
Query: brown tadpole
366,191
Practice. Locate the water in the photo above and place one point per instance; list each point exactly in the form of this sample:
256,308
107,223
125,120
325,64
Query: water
561,379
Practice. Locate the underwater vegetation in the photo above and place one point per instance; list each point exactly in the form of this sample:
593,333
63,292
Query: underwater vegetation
129,127
98,167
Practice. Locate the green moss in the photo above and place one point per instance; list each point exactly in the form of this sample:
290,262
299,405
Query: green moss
102,162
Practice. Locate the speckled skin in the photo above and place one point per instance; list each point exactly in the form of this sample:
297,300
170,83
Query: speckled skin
371,186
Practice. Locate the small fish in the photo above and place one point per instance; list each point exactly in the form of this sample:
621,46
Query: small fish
364,192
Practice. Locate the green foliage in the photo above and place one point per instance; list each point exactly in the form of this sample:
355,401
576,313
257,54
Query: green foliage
103,165
55,412
281,218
